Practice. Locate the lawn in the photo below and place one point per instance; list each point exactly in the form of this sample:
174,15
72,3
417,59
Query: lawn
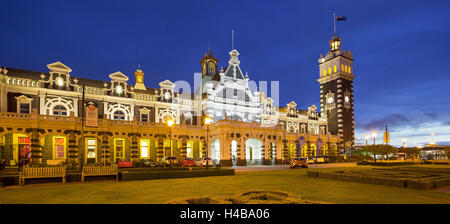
161,191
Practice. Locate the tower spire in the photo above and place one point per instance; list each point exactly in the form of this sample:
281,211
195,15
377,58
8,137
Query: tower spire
232,39
334,21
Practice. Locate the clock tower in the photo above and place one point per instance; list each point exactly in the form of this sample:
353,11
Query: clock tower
336,92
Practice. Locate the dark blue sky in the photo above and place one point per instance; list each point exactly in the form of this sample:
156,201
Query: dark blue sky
401,48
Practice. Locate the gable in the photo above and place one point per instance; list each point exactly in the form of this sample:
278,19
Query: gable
59,67
118,76
231,69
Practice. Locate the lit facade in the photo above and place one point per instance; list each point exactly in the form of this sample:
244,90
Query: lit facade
42,112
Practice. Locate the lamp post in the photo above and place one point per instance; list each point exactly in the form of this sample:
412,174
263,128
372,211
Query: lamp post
170,124
404,142
374,135
208,121
432,144
367,139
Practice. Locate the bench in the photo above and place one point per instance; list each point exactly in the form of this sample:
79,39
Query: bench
42,172
111,170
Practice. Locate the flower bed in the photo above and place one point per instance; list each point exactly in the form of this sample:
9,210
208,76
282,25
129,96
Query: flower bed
407,177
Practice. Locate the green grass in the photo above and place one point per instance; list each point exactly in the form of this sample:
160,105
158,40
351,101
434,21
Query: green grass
161,191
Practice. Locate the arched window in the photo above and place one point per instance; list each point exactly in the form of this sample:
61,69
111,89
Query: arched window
211,68
60,110
342,67
324,72
329,70
119,115
334,69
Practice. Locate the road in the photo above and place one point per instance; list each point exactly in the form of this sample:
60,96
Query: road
284,167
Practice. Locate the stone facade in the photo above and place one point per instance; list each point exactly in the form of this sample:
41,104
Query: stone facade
43,111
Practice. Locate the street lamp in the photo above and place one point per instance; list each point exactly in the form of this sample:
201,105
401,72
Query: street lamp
374,135
404,142
367,139
432,145
170,125
208,121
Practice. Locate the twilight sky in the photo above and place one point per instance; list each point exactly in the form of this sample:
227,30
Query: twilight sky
401,48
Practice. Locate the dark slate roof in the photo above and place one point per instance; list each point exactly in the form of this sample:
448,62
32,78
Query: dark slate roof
26,74
229,72
89,82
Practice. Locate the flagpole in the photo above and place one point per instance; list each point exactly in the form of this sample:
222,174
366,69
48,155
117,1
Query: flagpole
334,21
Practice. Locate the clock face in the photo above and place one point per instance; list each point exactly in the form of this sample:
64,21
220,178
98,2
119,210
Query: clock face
330,100
166,95
347,99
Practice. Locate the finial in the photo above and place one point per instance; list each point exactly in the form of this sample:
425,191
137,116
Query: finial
232,39
209,49
139,66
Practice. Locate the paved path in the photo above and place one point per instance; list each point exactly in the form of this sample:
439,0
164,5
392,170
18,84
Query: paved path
283,167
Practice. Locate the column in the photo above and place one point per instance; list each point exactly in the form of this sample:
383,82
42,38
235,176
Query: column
105,148
72,151
134,148
183,146
160,148
36,148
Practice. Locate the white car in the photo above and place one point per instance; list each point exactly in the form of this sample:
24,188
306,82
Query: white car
203,161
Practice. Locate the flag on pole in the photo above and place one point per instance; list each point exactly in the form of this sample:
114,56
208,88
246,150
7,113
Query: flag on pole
341,18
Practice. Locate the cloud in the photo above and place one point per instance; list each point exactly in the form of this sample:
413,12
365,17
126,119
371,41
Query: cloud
395,119
412,120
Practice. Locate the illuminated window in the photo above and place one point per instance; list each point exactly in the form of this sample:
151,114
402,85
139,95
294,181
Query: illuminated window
59,146
349,69
329,70
189,153
334,69
119,115
324,72
24,108
59,110
119,149
145,148
342,67
91,148
346,68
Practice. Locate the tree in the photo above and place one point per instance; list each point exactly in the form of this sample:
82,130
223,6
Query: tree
412,151
375,150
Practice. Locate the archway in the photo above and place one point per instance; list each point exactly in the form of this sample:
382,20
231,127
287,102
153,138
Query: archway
215,150
253,148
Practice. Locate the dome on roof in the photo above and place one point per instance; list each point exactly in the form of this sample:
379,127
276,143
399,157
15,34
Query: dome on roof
209,54
335,37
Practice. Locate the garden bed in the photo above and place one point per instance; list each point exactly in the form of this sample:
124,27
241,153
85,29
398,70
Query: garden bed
406,177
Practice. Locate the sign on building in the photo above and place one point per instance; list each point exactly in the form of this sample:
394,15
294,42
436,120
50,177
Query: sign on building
91,116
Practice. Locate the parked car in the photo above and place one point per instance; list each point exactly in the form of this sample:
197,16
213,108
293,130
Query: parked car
300,162
188,162
124,163
316,160
204,161
168,161
149,163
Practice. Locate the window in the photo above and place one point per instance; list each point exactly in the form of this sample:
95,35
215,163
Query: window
59,146
345,68
189,150
91,148
59,110
119,115
329,70
119,149
24,108
342,68
145,148
144,117
334,69
349,69
324,72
